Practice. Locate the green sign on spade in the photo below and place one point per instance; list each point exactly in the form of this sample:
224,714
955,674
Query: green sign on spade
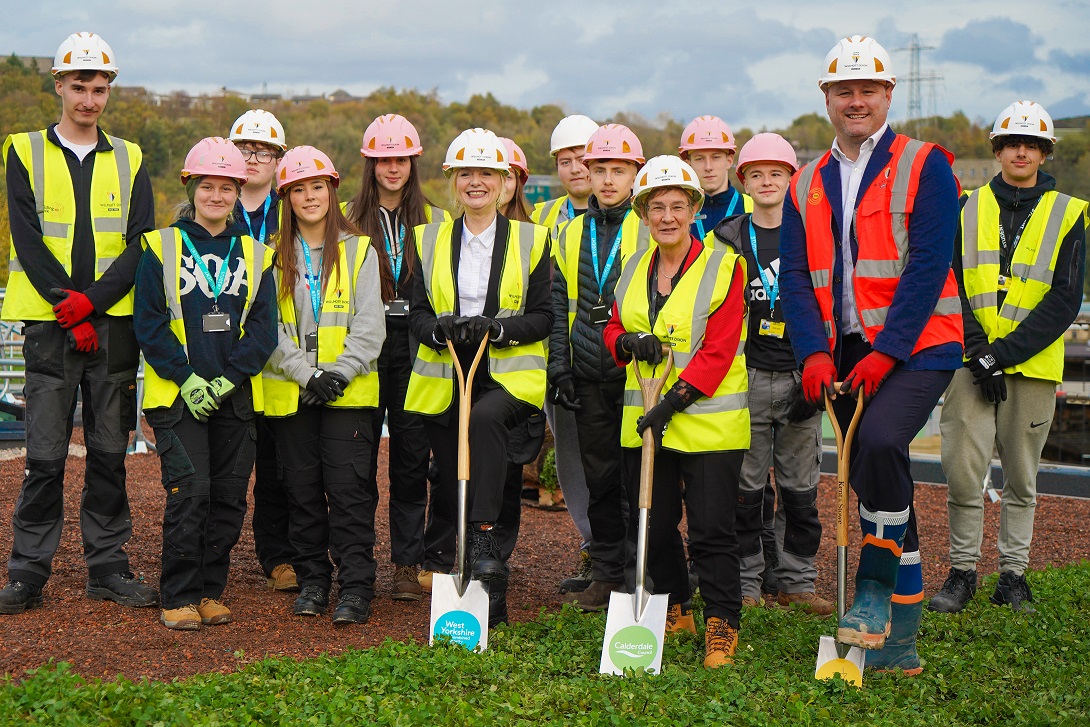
633,647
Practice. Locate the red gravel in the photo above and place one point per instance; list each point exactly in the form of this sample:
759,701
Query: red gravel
103,639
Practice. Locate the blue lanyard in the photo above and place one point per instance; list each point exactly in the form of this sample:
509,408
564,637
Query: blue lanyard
260,235
601,275
217,285
400,252
772,291
313,282
571,210
730,211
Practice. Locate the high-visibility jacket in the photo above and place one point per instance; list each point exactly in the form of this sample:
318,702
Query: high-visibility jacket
519,369
881,225
635,237
710,424
160,392
55,201
1031,270
552,214
338,308
431,212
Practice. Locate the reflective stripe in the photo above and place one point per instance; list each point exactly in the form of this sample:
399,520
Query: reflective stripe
1014,313
819,278
806,177
121,156
879,268
427,259
720,404
522,362
109,224
625,279
874,316
701,305
37,160
948,306
643,237
971,256
1042,270
898,203
1020,270
989,299
14,266
170,282
434,370
524,228
104,263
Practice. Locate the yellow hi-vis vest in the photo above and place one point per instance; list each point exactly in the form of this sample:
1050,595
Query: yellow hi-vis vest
338,308
635,237
710,424
1032,268
519,369
431,213
55,201
167,245
551,214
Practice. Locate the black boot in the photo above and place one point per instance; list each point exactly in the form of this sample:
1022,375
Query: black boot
312,601
19,596
351,609
485,563
1012,589
958,590
123,588
497,603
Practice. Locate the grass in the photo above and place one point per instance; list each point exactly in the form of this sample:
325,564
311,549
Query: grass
985,665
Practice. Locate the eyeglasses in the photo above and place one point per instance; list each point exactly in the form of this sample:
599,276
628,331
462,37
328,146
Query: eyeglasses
677,210
264,157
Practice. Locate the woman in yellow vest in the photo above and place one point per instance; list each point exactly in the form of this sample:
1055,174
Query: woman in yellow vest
388,207
204,318
321,386
478,275
683,294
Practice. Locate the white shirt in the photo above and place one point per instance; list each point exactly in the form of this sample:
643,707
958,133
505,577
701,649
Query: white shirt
80,150
851,175
474,267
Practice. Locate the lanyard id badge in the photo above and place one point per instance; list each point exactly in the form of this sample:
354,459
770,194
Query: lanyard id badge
600,314
774,329
217,321
397,307
310,342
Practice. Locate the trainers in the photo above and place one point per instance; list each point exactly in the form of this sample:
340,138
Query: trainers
958,590
424,579
213,612
283,578
122,588
751,602
806,602
351,609
407,585
485,563
578,581
185,618
720,639
679,618
18,596
1013,589
595,597
312,601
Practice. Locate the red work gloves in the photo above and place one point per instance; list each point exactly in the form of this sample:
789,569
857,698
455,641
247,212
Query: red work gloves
869,374
75,308
818,375
83,338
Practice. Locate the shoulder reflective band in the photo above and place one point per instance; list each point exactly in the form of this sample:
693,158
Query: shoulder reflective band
600,276
216,286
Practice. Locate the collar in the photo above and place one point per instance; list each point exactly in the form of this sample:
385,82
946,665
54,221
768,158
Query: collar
1012,198
488,237
613,215
865,148
102,145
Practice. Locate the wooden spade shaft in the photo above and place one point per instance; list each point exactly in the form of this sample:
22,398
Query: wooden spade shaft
465,387
651,388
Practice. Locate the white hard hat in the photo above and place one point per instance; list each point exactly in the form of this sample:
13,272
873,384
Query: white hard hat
572,131
857,58
259,125
84,52
476,149
666,171
1024,118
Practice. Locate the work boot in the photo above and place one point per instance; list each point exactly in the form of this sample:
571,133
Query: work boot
122,588
899,653
485,562
720,640
497,604
213,612
424,579
578,581
595,597
867,622
751,602
18,596
351,609
806,601
312,601
283,578
1013,589
183,618
679,618
957,591
407,584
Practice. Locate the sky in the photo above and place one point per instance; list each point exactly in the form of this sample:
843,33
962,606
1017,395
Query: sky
753,64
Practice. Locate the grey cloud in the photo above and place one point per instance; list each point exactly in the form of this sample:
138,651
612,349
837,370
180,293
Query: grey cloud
995,44
1077,105
1070,62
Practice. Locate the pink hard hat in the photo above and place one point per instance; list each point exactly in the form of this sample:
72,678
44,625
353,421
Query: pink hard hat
214,156
304,162
614,141
706,132
767,147
391,135
516,157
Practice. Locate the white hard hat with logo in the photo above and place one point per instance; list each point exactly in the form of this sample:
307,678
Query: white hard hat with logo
572,131
476,149
84,52
666,171
259,125
857,58
1024,118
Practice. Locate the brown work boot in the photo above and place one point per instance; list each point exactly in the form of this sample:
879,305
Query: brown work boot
213,612
184,618
283,578
595,598
751,602
720,638
807,602
424,579
407,583
679,618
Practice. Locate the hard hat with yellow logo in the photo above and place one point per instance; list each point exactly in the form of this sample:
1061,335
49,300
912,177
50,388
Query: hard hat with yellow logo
857,58
214,156
391,135
614,141
666,171
261,126
1024,118
706,132
304,162
84,52
476,149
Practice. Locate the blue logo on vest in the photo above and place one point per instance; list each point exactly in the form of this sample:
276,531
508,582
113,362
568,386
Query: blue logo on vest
461,627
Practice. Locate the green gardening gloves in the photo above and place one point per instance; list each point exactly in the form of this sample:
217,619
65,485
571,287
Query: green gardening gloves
199,397
222,387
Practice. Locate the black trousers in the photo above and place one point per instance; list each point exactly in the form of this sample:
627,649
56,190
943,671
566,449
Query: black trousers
326,453
409,449
710,497
206,469
598,426
270,520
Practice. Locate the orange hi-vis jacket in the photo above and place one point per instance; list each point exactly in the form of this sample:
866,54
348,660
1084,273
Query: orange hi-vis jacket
881,227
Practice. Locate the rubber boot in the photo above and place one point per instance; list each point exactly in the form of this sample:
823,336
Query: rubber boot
867,623
900,649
